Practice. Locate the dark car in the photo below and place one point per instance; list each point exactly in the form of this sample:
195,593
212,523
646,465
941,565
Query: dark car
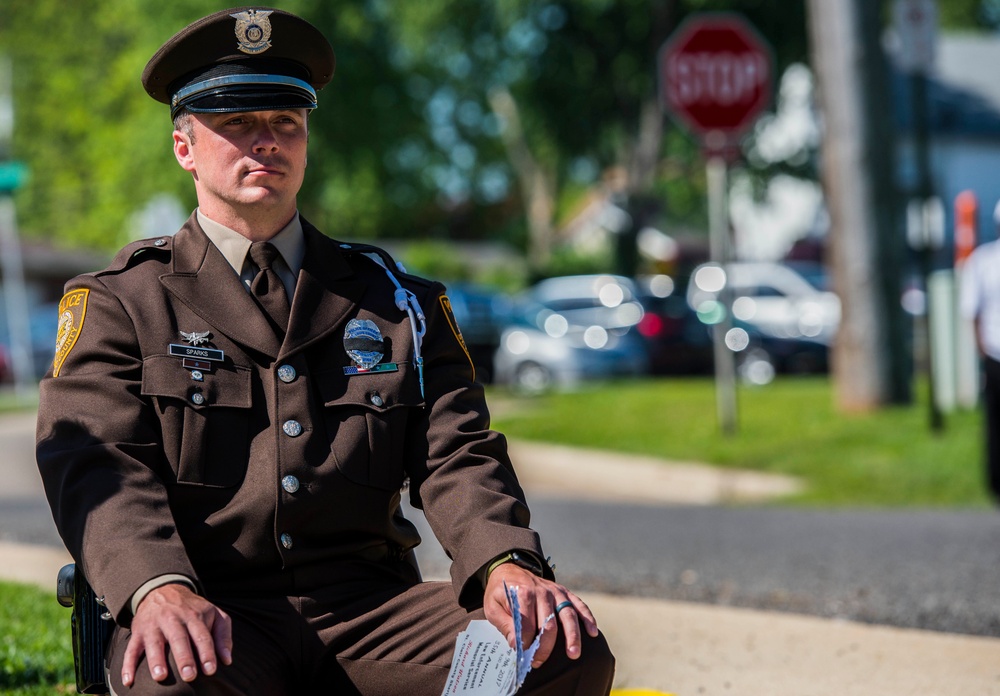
680,340
43,327
479,313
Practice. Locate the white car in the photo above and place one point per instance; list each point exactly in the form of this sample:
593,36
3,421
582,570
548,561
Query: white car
569,329
771,297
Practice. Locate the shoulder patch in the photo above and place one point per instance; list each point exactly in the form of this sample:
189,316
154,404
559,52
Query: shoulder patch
449,314
72,312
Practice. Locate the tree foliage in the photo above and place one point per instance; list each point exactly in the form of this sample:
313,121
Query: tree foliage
407,141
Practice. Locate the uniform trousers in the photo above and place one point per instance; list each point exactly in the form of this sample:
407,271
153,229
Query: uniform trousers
991,424
397,640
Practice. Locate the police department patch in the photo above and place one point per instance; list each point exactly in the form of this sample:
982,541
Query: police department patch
72,311
449,314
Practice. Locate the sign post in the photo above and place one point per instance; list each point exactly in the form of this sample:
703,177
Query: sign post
715,78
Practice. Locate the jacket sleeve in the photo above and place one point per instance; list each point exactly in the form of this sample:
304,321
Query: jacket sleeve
463,480
100,452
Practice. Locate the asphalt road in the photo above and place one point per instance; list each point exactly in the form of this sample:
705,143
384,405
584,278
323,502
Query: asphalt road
919,568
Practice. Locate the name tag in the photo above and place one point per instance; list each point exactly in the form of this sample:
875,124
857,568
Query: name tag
180,351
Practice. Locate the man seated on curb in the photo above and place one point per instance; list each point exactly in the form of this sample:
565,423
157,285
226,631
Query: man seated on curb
233,411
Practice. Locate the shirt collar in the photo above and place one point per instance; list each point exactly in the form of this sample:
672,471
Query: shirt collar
290,243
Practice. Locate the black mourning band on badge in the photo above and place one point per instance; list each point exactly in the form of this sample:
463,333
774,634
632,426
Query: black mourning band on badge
363,343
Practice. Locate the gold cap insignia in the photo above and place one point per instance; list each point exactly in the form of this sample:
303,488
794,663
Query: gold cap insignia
253,30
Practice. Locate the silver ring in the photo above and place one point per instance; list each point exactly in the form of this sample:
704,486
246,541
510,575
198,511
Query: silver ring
563,605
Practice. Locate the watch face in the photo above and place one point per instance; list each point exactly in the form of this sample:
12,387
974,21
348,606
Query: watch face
526,562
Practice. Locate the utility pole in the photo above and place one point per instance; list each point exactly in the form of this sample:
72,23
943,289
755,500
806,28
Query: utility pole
12,175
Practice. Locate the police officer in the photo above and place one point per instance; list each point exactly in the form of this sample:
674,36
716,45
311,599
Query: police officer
979,303
233,411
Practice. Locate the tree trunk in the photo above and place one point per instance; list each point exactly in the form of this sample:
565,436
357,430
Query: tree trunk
537,185
861,358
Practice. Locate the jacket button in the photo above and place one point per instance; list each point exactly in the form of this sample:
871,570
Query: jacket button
286,540
198,398
377,400
287,374
292,428
290,484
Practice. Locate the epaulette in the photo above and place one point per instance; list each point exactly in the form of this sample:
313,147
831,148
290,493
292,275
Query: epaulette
383,258
159,248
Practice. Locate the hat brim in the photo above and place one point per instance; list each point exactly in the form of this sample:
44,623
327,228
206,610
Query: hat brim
235,93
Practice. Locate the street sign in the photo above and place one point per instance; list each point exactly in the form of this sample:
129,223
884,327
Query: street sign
12,176
915,22
715,76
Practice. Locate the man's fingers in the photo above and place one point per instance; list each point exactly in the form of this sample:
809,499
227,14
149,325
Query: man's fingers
545,645
179,637
586,616
156,659
130,662
571,629
204,645
222,636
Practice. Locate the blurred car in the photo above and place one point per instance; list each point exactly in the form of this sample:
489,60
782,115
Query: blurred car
565,330
679,340
43,327
769,296
479,313
679,343
5,367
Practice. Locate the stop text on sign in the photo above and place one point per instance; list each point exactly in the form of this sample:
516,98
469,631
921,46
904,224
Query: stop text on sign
715,76
724,79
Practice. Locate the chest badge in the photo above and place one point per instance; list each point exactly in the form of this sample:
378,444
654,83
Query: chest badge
196,356
365,347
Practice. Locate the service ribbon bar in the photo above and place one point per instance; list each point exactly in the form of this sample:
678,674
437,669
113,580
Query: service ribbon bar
383,367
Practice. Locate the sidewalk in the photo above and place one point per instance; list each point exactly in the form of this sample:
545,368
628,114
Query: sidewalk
693,649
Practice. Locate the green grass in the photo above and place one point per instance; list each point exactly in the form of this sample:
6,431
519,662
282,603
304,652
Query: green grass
36,656
886,458
12,401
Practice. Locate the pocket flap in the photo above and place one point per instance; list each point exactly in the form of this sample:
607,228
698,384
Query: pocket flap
378,391
226,385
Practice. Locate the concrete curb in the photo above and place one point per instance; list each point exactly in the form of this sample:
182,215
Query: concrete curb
693,649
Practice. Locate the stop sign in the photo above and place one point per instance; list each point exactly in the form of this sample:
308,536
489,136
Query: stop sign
715,75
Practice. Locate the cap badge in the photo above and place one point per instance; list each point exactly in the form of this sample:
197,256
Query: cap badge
364,345
253,30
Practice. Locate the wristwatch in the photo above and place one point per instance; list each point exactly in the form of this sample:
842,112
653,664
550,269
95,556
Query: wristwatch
519,558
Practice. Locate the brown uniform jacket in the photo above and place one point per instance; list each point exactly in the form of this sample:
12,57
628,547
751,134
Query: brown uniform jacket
149,471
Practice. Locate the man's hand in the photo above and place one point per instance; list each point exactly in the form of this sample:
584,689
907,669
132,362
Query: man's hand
539,598
173,615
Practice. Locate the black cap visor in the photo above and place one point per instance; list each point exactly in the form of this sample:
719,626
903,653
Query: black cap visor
238,93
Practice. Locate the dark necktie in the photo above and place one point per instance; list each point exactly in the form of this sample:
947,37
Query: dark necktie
267,286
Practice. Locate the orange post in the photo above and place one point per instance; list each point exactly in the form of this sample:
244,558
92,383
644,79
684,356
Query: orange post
966,208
